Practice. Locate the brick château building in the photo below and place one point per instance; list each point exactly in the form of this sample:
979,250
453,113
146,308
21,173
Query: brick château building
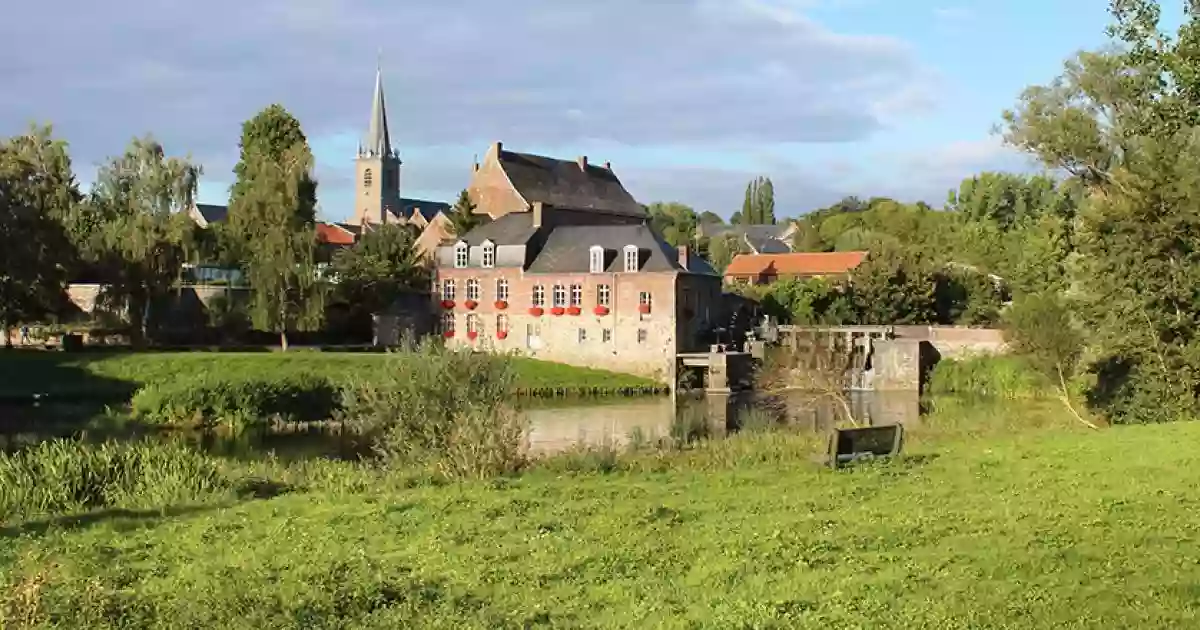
569,270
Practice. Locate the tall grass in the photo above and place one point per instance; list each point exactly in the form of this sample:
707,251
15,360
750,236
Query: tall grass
64,476
237,401
447,410
1003,377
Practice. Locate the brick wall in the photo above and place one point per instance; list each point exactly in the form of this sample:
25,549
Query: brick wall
557,338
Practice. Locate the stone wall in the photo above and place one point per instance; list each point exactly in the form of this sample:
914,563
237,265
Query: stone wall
896,365
953,342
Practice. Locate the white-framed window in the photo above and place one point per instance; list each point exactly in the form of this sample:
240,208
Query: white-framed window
502,323
606,335
582,335
560,295
576,295
448,322
642,335
539,295
644,299
473,323
489,254
631,258
448,289
596,259
461,255
603,295
473,289
502,289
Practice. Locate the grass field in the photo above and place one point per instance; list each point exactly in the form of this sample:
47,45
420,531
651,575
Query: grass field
23,374
1049,527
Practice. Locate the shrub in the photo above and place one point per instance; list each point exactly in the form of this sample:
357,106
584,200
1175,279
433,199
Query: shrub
236,400
63,476
444,410
988,376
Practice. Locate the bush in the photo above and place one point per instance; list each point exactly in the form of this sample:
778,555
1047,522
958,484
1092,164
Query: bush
988,376
236,400
63,476
442,410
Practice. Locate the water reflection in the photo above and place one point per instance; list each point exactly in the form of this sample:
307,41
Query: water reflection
554,427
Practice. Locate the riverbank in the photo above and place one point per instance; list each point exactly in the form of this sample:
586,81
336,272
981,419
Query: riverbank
996,518
96,375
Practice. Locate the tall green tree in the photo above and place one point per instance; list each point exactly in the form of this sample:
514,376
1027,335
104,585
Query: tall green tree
749,213
676,222
281,265
133,227
380,267
463,217
894,287
1122,122
764,202
38,195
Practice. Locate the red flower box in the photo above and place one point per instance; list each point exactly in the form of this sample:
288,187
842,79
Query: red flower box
472,335
573,310
536,311
448,334
447,303
501,305
470,304
557,310
600,310
644,309
502,334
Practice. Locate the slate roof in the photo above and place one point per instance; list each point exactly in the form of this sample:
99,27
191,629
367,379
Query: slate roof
515,228
563,184
766,245
428,209
795,264
212,213
756,232
568,250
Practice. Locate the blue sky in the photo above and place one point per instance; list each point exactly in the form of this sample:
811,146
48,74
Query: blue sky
689,99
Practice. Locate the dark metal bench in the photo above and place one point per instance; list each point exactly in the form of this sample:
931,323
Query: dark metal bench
850,445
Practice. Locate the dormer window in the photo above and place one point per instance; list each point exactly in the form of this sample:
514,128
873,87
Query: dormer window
489,254
631,258
461,254
596,259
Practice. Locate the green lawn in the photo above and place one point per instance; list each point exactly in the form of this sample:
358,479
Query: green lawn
117,374
1048,528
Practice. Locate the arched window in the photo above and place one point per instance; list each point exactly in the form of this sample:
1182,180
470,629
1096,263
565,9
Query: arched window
473,323
448,322
502,323
596,259
631,258
461,254
367,178
489,254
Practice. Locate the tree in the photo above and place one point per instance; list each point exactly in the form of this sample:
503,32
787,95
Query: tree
281,266
462,215
748,213
380,267
1040,328
891,287
38,194
764,202
675,221
709,217
722,249
133,227
267,137
1122,123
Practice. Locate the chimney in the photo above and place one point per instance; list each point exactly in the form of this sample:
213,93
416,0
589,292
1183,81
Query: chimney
538,210
583,163
683,256
477,167
475,159
497,147
607,166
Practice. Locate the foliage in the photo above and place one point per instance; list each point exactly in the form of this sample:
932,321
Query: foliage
894,288
61,477
212,398
676,222
134,227
38,196
1007,377
1040,327
463,217
759,206
447,411
721,250
383,264
709,217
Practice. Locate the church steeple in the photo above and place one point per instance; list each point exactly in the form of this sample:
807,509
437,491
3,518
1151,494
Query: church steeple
377,142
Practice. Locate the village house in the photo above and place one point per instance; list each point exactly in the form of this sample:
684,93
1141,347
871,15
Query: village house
767,268
569,270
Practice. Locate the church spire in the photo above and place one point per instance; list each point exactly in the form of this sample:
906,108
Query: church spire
377,142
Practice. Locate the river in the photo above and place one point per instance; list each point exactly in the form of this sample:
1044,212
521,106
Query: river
555,426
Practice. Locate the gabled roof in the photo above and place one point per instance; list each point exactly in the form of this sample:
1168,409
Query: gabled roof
756,231
510,229
766,245
427,209
795,264
568,250
212,213
333,234
568,184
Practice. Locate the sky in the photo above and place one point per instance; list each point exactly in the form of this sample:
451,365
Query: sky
688,99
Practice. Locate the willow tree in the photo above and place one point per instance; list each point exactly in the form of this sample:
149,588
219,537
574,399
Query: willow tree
37,195
133,227
287,294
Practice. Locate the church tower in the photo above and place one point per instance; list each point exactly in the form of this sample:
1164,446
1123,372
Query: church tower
377,168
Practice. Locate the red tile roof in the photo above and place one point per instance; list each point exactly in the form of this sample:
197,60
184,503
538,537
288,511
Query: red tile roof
334,234
794,264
